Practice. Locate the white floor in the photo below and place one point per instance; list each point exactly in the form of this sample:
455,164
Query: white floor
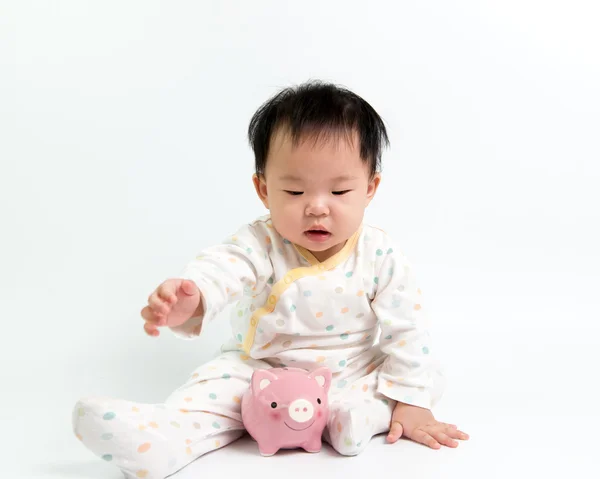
546,445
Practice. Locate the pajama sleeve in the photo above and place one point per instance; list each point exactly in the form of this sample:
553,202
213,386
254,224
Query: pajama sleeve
225,273
406,372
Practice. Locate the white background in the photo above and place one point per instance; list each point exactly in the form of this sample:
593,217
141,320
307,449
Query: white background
123,153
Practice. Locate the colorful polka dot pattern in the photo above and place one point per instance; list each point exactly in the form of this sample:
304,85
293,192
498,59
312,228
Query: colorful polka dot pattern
280,282
338,323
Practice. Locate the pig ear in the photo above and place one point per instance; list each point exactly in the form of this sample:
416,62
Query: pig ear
261,378
322,376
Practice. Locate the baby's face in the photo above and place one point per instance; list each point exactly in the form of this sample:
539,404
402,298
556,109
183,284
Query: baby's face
316,192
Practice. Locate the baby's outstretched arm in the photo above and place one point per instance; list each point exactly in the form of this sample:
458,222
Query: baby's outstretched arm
219,275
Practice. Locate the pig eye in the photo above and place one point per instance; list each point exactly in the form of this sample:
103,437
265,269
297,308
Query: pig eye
273,405
319,400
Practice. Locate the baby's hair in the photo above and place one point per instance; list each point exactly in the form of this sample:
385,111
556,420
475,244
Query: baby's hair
319,110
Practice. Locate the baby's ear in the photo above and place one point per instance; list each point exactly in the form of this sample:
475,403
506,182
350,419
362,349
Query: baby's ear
261,378
260,185
322,376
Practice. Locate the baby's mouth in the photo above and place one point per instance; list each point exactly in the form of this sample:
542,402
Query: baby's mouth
317,235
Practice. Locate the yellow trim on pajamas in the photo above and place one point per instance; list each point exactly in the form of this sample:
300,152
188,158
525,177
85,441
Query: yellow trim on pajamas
295,274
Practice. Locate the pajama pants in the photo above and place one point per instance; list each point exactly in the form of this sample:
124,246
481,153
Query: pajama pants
153,441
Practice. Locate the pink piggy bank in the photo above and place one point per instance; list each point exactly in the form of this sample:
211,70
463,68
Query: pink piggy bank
287,408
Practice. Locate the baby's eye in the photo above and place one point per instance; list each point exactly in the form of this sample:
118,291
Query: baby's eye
343,192
274,405
293,193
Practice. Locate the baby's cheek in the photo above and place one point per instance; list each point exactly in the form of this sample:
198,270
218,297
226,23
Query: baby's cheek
320,413
275,416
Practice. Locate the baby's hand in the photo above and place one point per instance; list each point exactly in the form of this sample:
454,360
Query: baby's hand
172,304
419,425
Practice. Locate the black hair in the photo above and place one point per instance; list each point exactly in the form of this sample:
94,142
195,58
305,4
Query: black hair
318,109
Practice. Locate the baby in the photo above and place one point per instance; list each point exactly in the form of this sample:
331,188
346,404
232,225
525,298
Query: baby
312,286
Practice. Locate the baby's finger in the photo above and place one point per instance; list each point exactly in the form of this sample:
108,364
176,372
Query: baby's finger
395,432
456,434
151,330
166,292
189,287
152,317
444,439
158,305
421,436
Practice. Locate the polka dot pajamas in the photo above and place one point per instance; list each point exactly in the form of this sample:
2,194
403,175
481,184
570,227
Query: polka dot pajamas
359,313
153,441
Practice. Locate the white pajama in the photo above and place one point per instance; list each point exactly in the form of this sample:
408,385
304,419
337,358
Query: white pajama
359,313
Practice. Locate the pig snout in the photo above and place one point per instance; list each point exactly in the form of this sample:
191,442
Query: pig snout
301,410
